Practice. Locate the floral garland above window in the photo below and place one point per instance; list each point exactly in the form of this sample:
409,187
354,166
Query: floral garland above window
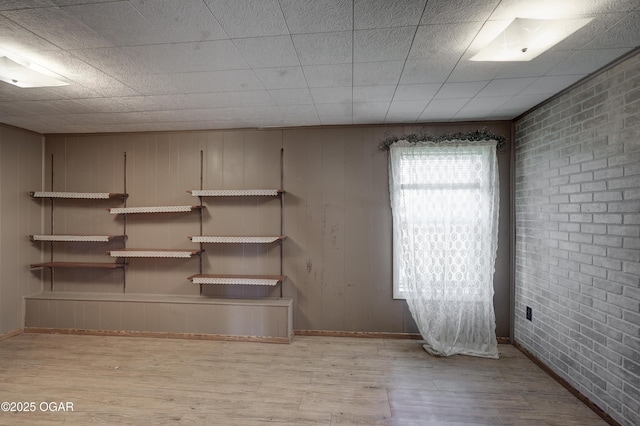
478,135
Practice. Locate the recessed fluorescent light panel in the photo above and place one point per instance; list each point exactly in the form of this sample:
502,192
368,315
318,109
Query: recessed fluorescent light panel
23,73
524,39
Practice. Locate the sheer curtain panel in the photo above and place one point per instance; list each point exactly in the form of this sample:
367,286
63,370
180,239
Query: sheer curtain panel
444,200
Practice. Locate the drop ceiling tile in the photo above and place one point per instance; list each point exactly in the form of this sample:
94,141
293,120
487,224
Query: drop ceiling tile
81,74
181,20
416,92
197,82
384,44
249,18
123,104
297,112
425,71
384,13
442,108
118,22
624,33
522,102
460,90
585,35
466,70
480,106
14,4
506,86
540,9
329,75
17,39
56,26
590,59
55,106
291,96
317,16
549,85
324,48
456,11
405,111
370,112
373,93
263,52
335,111
535,68
112,61
281,78
331,95
377,73
9,92
216,100
451,40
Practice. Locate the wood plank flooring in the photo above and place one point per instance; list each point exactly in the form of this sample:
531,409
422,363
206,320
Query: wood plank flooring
312,381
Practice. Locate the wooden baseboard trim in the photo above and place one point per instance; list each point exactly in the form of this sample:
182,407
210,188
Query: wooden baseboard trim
575,392
11,333
364,334
158,335
503,340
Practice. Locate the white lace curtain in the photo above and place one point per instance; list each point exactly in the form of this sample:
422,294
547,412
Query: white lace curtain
444,199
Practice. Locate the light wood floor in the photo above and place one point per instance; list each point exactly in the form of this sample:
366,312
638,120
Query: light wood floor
314,380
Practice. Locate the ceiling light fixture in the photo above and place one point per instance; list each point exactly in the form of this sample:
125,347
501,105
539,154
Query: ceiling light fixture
524,39
25,74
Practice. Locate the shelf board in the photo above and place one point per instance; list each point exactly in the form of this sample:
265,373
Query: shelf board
235,192
78,195
79,265
266,280
77,238
154,253
153,209
237,239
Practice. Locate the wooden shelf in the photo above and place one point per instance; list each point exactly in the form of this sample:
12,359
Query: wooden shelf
266,280
235,192
153,209
77,238
79,265
237,239
151,253
78,195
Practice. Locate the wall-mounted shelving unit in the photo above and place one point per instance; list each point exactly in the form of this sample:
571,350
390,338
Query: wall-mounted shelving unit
77,238
240,279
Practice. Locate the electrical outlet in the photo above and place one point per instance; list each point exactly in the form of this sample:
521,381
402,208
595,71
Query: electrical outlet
529,313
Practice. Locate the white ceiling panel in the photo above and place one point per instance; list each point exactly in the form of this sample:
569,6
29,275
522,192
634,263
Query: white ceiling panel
506,87
404,111
67,33
377,73
384,44
582,60
118,22
136,65
451,40
549,85
181,20
330,95
291,96
456,11
196,82
249,18
317,16
460,90
416,92
324,48
262,52
365,94
329,75
281,78
385,13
